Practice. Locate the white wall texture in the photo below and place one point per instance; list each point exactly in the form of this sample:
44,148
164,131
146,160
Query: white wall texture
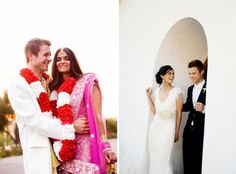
157,32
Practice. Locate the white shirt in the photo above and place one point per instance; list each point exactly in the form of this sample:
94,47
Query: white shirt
196,91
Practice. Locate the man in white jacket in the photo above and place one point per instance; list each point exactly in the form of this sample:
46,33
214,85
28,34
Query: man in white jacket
35,126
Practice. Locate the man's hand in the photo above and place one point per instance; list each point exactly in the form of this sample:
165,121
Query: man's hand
81,125
199,107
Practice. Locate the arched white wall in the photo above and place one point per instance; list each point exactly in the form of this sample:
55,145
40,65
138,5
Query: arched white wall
143,26
185,41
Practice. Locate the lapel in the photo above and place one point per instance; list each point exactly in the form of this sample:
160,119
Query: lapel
191,95
202,96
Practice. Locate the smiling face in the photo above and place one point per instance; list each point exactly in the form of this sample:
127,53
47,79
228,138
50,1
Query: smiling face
63,63
195,75
168,77
39,63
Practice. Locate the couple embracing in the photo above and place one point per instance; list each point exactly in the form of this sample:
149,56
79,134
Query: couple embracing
166,104
60,118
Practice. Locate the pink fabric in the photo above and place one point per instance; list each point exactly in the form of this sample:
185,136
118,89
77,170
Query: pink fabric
96,149
89,148
79,167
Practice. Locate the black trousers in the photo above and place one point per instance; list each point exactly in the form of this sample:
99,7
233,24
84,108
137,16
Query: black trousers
192,152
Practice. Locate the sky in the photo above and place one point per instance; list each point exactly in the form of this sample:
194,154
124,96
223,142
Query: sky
88,27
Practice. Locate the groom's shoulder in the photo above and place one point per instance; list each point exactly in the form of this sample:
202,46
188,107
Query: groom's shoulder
17,82
190,88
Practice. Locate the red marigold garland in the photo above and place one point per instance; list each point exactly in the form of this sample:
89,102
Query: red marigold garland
39,91
68,147
65,150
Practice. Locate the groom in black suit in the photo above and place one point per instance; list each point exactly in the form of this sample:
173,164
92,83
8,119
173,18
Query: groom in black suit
194,128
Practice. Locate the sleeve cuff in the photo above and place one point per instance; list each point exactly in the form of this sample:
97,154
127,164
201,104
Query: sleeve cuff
68,132
203,110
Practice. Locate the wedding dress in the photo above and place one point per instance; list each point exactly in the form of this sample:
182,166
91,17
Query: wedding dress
161,133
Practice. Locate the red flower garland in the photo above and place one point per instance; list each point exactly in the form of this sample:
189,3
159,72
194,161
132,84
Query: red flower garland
68,148
65,150
43,98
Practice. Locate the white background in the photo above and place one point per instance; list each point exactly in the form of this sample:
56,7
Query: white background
88,27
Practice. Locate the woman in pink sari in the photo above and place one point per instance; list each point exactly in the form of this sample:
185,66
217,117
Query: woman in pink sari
93,151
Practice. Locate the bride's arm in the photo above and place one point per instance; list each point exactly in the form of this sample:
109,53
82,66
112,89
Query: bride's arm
150,101
97,104
179,106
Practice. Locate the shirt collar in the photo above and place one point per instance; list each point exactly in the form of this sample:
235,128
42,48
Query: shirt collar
199,85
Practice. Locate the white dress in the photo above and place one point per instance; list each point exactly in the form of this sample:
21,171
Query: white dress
162,132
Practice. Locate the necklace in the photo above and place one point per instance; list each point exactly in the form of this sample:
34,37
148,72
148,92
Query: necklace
38,90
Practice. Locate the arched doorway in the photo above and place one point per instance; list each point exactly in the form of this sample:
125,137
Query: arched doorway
185,41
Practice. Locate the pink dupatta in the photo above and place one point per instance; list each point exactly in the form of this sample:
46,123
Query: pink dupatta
97,159
97,156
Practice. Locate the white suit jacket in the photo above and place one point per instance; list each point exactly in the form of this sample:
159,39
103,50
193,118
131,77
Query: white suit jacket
34,128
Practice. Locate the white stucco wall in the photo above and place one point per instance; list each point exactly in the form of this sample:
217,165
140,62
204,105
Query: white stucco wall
143,27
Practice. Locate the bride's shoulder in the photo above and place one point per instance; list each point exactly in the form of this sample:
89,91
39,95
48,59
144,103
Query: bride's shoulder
155,91
178,90
157,88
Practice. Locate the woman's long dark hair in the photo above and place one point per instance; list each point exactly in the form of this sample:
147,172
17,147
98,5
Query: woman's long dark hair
75,70
162,71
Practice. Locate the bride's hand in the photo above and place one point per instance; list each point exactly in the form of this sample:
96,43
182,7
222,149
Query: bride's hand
176,136
110,156
149,91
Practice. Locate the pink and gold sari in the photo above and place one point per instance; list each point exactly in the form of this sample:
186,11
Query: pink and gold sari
89,158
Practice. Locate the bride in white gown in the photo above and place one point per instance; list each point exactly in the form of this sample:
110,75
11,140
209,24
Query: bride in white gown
165,102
